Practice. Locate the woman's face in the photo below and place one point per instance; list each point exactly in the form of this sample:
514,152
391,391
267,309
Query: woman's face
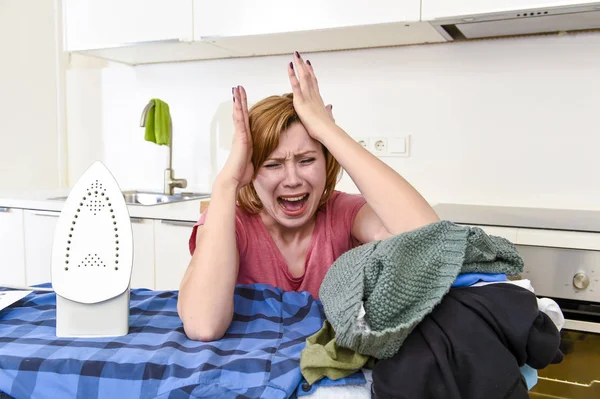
291,181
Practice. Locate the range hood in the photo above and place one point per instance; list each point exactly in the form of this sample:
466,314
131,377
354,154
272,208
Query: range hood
520,22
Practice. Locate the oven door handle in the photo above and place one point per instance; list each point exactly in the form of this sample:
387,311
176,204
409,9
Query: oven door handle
584,326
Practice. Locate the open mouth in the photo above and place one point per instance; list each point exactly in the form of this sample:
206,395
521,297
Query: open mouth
293,206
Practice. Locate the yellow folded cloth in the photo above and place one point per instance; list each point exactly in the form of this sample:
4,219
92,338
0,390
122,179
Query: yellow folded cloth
157,123
323,357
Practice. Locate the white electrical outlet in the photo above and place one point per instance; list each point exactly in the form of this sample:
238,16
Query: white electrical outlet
364,141
378,146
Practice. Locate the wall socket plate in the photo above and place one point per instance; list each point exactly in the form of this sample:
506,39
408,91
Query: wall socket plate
386,146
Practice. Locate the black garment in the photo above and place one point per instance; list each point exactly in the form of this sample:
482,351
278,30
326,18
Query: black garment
471,346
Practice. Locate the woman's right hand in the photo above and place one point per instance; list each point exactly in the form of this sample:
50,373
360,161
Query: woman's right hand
238,167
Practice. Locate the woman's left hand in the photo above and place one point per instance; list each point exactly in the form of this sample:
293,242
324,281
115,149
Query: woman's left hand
309,105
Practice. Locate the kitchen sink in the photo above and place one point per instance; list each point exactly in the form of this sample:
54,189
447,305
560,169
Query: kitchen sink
151,198
135,197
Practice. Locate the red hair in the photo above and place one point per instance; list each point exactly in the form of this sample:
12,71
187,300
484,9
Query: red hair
269,118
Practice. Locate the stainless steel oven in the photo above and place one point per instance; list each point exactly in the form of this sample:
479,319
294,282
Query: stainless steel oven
570,276
561,251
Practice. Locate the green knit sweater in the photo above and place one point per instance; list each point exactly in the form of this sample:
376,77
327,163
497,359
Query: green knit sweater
401,279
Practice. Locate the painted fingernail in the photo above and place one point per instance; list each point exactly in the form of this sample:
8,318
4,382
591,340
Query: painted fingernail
291,65
297,54
233,90
233,99
308,62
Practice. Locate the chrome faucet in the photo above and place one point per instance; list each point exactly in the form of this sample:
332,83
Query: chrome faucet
170,182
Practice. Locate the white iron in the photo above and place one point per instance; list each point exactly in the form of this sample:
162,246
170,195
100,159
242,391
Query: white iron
92,258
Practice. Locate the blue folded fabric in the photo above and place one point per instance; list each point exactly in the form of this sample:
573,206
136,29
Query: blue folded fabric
531,376
467,279
305,389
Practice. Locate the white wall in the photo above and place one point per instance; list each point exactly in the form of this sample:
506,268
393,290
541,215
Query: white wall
31,106
507,122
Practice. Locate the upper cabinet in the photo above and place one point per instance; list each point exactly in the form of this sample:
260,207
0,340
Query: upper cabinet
133,31
150,31
435,9
259,17
268,27
95,24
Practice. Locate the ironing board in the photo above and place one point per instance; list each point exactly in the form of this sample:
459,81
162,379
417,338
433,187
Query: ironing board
258,357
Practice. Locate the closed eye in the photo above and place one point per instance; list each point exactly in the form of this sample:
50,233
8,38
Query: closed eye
307,161
272,165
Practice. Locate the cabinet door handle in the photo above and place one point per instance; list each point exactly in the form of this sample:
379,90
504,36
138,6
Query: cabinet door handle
179,223
46,213
57,214
4,209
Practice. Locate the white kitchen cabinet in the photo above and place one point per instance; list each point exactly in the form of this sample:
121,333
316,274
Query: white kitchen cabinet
39,239
265,27
152,31
31,97
12,253
135,31
142,275
94,24
172,254
258,17
433,9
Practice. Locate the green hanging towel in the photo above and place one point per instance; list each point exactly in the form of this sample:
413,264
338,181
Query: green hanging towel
157,123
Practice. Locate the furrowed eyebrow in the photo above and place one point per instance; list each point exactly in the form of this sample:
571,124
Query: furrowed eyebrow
299,155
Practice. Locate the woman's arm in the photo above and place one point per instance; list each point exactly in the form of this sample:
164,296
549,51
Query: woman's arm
393,205
206,294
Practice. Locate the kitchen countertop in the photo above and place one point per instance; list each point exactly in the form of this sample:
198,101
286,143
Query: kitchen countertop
40,200
508,216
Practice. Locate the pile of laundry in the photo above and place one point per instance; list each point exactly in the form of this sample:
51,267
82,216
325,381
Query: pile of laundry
434,313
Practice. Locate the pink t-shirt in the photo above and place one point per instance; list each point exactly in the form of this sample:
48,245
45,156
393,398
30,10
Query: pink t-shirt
262,262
